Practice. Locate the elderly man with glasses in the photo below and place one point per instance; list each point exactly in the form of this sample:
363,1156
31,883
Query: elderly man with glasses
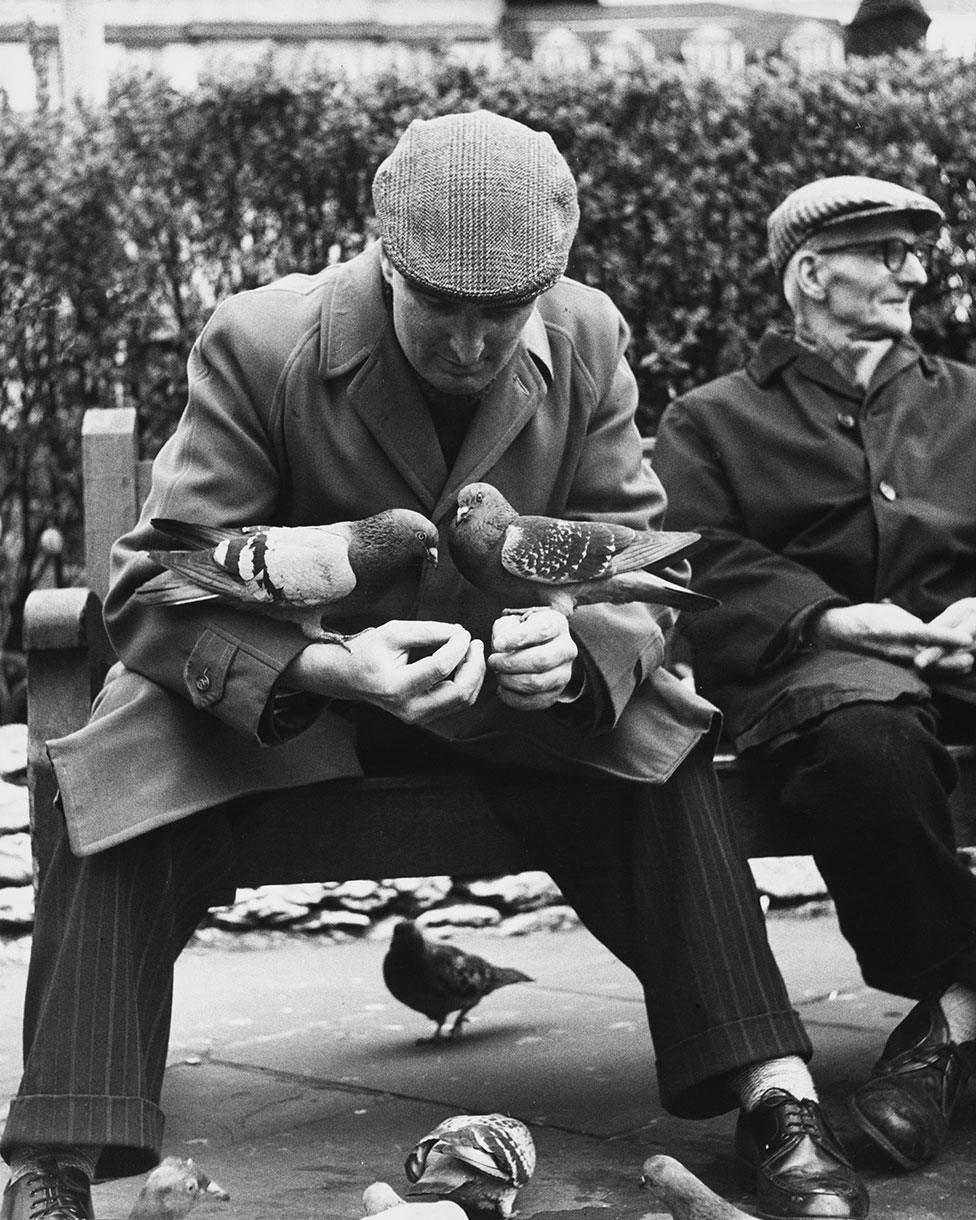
833,479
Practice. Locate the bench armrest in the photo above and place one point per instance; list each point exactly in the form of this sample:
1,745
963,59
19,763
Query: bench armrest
67,654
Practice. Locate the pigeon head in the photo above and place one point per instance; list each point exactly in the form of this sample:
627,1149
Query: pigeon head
395,537
484,504
416,530
172,1189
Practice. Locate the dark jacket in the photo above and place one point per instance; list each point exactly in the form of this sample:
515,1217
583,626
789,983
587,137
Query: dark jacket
814,493
302,409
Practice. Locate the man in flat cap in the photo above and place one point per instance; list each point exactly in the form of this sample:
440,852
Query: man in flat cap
833,480
453,350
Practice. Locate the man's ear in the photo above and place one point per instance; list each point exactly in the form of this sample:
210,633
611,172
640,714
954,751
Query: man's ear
386,266
810,275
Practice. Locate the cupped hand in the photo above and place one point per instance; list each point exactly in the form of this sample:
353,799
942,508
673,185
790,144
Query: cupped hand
532,657
417,671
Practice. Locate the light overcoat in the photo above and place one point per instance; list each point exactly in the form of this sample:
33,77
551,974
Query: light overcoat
303,409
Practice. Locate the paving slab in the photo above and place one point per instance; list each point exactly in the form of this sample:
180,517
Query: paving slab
295,1079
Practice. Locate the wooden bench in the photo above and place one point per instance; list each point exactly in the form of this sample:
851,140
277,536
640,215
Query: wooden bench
348,829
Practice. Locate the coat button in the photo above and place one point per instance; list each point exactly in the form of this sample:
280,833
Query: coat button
846,421
203,682
887,490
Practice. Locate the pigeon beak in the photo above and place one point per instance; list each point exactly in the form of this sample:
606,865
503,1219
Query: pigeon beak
462,512
212,1188
432,556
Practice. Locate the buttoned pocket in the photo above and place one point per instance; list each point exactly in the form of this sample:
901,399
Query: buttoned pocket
205,672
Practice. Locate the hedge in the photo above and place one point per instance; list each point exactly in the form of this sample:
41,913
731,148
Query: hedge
120,229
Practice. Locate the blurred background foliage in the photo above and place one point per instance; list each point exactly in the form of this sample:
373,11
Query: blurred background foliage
121,229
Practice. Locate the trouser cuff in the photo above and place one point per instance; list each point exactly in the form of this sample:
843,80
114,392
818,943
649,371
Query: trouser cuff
129,1130
693,1075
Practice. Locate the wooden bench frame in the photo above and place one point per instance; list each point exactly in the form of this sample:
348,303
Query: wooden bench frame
343,830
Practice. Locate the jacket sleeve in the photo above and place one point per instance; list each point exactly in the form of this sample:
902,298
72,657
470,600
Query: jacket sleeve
620,645
766,598
219,467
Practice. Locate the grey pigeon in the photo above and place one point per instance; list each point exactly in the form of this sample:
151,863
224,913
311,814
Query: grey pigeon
173,1189
547,561
684,1195
482,1160
300,572
437,979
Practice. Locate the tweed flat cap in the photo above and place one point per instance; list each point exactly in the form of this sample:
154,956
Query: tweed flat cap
477,206
833,201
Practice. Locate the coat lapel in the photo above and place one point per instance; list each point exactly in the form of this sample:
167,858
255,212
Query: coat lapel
512,400
385,395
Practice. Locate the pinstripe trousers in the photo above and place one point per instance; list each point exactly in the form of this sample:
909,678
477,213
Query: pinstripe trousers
650,869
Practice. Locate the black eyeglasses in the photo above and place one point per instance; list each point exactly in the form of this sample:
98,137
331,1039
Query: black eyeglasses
893,251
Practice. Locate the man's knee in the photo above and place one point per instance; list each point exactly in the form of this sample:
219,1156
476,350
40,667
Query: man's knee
882,759
875,739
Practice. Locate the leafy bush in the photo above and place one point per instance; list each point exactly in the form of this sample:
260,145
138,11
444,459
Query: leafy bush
121,229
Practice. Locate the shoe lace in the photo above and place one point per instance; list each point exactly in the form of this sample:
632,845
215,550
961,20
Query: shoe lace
802,1118
54,1198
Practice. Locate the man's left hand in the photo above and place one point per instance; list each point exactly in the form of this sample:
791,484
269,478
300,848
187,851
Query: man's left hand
951,662
532,657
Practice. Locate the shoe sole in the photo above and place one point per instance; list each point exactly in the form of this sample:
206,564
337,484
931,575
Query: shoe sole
880,1140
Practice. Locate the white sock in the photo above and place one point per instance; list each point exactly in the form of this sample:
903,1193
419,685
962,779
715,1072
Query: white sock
790,1074
30,1159
958,1004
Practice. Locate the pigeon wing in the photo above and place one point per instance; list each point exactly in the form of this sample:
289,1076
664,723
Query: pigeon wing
655,548
193,535
301,566
550,551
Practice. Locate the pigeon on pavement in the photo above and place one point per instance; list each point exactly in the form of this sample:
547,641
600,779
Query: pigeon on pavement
437,978
172,1189
479,1159
300,572
684,1195
547,561
381,1199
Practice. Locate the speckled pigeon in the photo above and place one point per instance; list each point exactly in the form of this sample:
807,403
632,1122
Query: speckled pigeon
684,1195
172,1189
437,979
301,572
533,560
479,1159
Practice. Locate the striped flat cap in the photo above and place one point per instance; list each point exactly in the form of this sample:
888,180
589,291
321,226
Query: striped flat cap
477,206
833,201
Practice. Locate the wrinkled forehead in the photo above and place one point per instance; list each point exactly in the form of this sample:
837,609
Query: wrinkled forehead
871,228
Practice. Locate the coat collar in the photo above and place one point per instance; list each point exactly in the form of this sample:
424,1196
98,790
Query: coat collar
777,350
358,339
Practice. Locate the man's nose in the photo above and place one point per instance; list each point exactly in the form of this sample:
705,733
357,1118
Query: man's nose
913,270
467,341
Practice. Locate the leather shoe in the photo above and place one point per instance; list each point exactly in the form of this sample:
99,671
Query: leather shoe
905,1106
51,1192
800,1168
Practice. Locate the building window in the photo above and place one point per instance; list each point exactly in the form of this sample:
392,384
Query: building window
812,45
713,49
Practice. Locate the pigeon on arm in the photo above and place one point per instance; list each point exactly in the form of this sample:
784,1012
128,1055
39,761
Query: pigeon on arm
438,979
303,573
533,561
